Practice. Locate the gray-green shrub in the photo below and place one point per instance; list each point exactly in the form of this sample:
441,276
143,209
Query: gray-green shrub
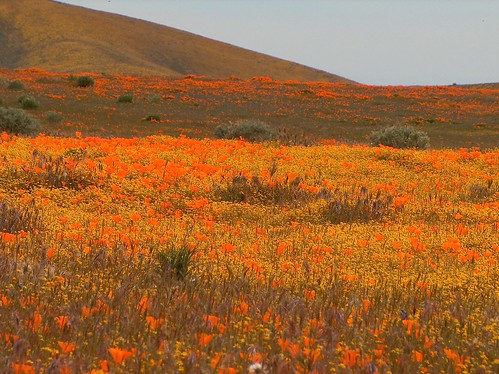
28,102
128,98
400,137
53,117
252,131
17,121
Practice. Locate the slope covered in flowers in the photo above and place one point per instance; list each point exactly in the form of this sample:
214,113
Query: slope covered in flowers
452,116
306,259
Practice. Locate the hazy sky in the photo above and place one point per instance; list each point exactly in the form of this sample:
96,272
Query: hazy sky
370,41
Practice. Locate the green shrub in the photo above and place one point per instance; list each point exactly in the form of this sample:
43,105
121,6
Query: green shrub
1,101
177,262
252,131
28,102
153,118
85,81
128,98
16,85
400,137
53,117
17,121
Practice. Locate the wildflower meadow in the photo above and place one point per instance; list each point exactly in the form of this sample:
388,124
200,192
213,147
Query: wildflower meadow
168,254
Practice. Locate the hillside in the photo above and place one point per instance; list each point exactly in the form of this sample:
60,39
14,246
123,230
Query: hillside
491,86
66,38
452,116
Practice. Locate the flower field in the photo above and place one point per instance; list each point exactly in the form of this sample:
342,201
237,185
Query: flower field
453,116
162,254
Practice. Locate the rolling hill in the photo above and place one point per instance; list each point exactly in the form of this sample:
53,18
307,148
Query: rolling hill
66,38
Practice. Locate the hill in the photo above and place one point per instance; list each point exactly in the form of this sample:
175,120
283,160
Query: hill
66,38
452,116
491,86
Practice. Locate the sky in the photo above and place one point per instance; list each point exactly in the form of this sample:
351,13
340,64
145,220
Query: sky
379,42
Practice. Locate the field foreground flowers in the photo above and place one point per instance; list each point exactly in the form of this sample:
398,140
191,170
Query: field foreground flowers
177,255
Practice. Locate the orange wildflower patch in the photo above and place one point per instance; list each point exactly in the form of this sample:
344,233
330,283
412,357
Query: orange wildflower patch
119,355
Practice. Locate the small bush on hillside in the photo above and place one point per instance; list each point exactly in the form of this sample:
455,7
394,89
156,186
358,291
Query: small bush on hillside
53,117
153,118
125,98
28,102
85,81
252,131
16,85
401,137
17,121
1,101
